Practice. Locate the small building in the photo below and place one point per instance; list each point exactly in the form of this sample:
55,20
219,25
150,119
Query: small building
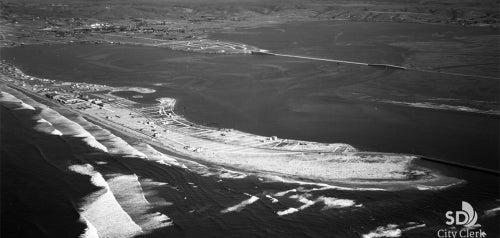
63,98
51,95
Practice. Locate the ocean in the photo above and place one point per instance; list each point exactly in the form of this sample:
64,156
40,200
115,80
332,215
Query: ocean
369,108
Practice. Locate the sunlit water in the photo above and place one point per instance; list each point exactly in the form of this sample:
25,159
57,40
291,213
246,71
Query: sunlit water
303,100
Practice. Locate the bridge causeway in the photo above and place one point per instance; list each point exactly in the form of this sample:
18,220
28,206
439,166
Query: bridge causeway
383,66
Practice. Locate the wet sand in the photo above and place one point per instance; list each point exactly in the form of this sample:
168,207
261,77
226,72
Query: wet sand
300,159
194,201
245,203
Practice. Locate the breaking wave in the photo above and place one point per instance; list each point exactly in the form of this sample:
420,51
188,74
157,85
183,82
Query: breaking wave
391,230
336,202
307,201
240,206
287,211
103,211
59,124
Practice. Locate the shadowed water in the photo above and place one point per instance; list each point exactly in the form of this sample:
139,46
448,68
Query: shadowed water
306,100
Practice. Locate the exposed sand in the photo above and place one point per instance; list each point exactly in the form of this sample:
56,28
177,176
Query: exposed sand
119,208
134,89
161,127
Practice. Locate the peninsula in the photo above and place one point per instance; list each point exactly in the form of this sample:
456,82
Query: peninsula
159,126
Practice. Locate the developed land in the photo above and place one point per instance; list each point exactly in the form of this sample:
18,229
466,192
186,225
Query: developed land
152,21
159,126
99,165
185,26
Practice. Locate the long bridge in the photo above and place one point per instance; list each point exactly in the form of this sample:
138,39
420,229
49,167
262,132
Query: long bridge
384,66
266,52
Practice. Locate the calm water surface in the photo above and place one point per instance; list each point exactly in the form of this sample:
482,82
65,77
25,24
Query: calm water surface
314,101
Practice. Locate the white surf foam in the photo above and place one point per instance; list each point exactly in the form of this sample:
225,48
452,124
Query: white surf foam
303,198
287,211
17,104
132,199
230,174
118,146
273,200
328,202
331,202
56,132
42,120
391,230
438,187
321,186
153,183
114,144
281,194
89,231
103,211
63,125
155,155
95,177
27,106
240,206
70,128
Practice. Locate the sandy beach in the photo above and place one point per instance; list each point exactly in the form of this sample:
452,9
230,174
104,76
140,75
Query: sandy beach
308,161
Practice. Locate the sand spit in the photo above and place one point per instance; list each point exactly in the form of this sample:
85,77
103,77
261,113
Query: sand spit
436,106
334,163
134,89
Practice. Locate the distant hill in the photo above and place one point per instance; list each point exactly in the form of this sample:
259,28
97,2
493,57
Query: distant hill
435,11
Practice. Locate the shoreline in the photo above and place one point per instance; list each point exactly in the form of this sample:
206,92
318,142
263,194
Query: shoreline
42,22
335,163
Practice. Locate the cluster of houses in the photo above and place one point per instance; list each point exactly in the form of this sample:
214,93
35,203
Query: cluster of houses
66,98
